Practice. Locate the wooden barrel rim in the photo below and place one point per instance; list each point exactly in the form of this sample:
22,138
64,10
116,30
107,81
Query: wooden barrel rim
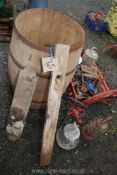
45,48
41,76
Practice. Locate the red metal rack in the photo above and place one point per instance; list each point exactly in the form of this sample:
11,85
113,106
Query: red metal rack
81,104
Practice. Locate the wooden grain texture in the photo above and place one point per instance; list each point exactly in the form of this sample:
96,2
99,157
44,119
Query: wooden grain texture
55,29
35,31
36,23
45,27
88,69
53,105
90,76
24,91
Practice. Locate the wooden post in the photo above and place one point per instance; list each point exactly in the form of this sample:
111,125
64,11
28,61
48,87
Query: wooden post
54,101
21,102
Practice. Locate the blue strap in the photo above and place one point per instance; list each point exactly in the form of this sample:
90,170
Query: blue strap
51,54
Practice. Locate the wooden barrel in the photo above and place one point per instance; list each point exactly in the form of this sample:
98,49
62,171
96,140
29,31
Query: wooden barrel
35,31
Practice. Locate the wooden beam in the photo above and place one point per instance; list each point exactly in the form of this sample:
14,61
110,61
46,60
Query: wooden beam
89,70
90,76
23,94
53,105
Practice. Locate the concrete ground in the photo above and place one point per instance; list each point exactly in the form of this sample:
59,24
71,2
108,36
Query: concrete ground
89,158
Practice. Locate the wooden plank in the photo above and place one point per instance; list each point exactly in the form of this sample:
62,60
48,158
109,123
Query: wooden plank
21,102
55,28
90,75
90,70
45,27
53,105
4,39
36,26
62,30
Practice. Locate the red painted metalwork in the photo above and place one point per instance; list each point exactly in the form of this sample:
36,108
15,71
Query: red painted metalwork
105,96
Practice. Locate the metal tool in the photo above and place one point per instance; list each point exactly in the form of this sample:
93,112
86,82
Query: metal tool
77,110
